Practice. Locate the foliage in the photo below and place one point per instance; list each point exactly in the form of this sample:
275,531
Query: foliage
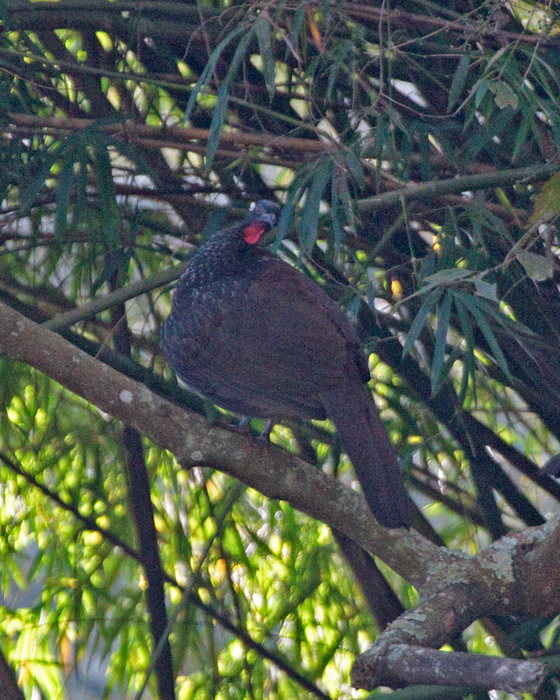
413,151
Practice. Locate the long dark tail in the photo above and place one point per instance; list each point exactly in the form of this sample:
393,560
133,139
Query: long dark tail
366,442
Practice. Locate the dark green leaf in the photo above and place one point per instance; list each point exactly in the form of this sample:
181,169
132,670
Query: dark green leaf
64,186
31,190
481,92
458,82
420,319
441,336
472,304
216,124
108,210
209,68
521,134
468,336
310,214
486,132
354,166
220,109
339,189
262,29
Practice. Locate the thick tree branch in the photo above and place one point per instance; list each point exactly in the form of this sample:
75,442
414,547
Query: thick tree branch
404,663
517,575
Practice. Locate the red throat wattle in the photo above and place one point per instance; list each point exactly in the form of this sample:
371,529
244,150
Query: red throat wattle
253,232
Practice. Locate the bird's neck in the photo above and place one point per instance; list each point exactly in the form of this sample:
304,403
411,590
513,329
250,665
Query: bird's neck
226,254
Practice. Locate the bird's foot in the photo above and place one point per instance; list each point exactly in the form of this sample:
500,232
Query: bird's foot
244,426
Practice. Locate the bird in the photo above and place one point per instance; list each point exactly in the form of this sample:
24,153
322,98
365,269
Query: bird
257,337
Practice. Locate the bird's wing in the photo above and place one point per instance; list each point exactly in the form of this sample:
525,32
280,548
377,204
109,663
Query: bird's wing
271,351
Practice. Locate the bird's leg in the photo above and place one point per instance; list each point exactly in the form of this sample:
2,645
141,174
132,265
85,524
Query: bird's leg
264,436
244,426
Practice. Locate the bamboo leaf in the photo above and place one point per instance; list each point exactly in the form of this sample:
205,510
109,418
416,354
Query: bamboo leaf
310,214
441,337
354,166
420,319
220,110
108,210
209,69
459,79
547,203
537,267
471,303
63,189
468,335
339,192
30,193
262,30
218,117
486,132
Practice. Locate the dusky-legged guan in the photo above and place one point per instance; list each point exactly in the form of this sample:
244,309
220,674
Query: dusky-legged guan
257,337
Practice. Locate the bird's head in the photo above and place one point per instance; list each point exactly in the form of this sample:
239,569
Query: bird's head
262,216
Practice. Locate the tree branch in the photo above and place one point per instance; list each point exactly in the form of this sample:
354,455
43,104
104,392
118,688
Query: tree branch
517,575
404,663
454,185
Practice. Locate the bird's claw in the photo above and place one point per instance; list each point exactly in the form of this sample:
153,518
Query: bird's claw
244,426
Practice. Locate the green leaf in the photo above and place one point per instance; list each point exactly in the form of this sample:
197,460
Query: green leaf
420,319
441,336
459,79
209,68
468,336
296,30
481,92
108,209
218,117
547,203
504,96
472,304
220,110
537,267
527,122
31,191
310,214
341,206
486,289
486,132
452,274
63,189
262,29
354,166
